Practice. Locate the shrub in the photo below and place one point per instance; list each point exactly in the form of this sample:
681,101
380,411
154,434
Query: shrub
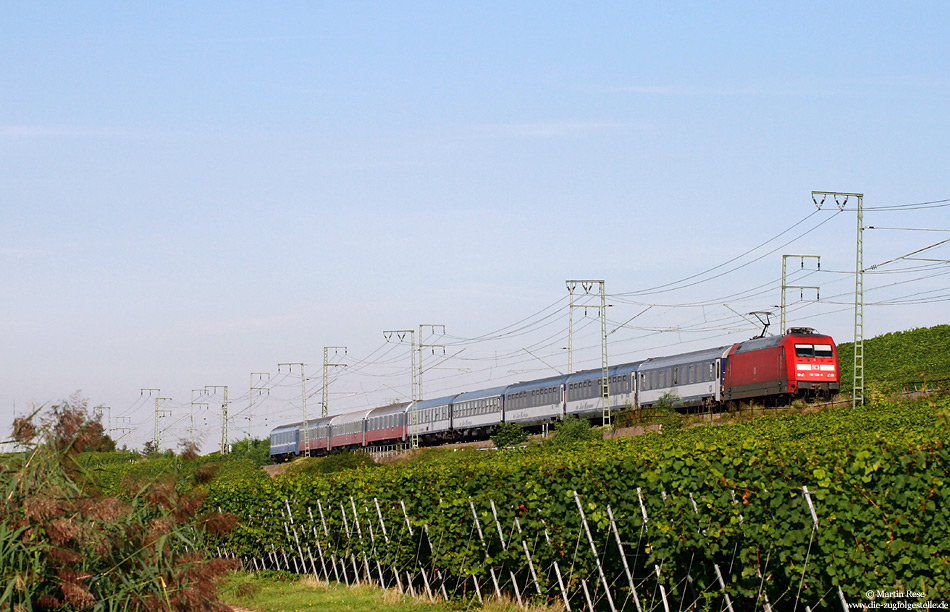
573,431
626,417
509,435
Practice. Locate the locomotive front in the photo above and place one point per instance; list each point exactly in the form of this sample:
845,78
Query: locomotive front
812,361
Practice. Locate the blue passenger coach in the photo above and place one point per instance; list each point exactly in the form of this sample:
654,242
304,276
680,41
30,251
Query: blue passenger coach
284,441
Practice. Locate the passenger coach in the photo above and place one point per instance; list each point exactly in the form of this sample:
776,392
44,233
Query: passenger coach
694,378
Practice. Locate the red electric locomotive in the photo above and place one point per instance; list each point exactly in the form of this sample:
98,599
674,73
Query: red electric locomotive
802,363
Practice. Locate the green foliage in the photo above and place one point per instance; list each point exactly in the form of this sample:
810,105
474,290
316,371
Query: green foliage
338,462
509,435
625,417
900,359
668,402
573,431
664,413
115,476
255,451
729,495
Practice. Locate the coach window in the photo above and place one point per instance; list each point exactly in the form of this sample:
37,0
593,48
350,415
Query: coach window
823,350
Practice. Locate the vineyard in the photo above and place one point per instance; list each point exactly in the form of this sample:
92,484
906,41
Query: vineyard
900,360
800,510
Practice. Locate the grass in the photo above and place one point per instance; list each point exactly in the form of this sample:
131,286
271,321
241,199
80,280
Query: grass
283,592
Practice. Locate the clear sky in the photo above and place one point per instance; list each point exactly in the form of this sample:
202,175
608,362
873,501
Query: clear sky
192,192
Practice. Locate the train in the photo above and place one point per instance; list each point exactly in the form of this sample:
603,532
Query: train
801,363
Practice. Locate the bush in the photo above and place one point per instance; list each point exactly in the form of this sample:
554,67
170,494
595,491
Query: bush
626,417
509,435
573,431
257,451
664,413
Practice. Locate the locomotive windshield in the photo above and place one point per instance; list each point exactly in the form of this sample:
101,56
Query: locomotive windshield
814,350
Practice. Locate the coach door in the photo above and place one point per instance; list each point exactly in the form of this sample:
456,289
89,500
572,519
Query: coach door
718,379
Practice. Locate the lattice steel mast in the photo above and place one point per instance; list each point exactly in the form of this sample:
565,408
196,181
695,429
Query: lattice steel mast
250,406
304,429
587,285
857,391
326,368
412,414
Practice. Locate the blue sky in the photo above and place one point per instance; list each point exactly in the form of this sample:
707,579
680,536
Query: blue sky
194,192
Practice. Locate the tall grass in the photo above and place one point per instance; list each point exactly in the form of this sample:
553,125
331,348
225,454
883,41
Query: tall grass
64,545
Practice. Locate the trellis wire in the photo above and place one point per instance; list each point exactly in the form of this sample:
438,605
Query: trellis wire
411,557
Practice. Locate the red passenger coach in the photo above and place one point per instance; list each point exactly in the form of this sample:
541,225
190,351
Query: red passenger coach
386,425
347,430
801,363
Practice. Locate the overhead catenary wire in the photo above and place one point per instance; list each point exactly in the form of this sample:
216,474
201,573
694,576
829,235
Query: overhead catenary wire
681,283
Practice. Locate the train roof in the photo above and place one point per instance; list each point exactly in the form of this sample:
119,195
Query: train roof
430,403
398,408
537,384
623,368
662,362
287,427
803,333
471,395
317,422
757,344
349,417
